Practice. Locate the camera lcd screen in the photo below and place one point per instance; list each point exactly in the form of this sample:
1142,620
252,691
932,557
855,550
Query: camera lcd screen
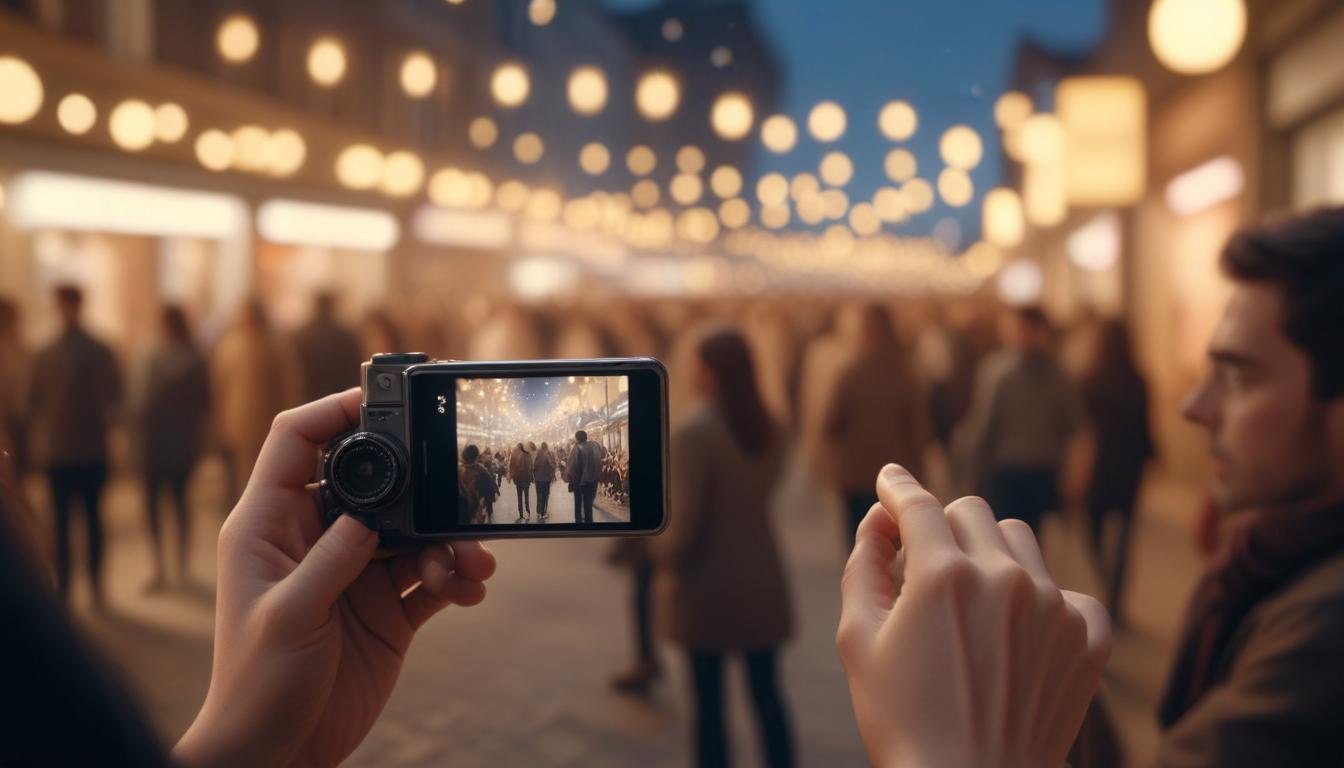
577,449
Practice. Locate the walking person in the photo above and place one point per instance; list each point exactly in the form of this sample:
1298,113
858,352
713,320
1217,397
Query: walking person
328,353
173,417
76,393
543,474
500,469
582,471
876,413
1115,399
720,585
476,487
520,472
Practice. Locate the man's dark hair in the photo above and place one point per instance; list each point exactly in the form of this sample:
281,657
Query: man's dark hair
1304,258
470,453
581,436
1033,316
69,295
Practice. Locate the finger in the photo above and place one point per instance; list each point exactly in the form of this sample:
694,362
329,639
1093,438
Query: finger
1098,624
289,456
407,569
974,528
868,587
1024,549
328,569
472,561
421,604
924,532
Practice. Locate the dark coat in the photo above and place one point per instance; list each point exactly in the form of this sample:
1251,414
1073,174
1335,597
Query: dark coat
176,409
76,392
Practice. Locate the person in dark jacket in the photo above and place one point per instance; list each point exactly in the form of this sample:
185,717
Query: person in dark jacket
477,487
520,472
328,353
543,474
173,418
582,472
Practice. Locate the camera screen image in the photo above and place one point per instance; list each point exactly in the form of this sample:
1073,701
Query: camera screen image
539,450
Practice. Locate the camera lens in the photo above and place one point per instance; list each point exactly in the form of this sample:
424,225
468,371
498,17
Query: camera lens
364,471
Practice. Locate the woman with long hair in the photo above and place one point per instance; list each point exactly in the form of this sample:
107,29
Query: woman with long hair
720,586
543,474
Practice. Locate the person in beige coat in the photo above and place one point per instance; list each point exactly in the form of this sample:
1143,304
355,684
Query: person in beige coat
720,585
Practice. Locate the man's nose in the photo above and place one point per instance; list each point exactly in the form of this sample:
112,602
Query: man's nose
1198,406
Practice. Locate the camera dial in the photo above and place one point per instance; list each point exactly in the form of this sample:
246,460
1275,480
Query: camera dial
365,470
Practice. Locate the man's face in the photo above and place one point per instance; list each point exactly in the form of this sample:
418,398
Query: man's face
1271,439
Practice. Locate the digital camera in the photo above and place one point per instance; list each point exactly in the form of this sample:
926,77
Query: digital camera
537,448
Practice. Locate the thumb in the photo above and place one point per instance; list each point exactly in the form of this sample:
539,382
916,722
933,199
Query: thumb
329,568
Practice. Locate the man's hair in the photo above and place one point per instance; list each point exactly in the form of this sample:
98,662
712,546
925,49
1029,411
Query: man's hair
1304,258
581,436
470,453
69,295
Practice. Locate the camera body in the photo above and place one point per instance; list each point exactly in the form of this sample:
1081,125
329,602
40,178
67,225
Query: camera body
444,449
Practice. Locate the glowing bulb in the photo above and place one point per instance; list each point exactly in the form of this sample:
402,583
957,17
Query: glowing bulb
326,62
528,148
170,123
594,159
804,186
510,84
483,133
826,122
249,142
359,166
76,113
419,75
403,173
640,160
214,150
898,121
22,90
686,188
285,152
1196,37
955,186
657,95
961,147
900,165
836,169
645,193
731,116
587,90
772,189
132,125
734,213
237,39
725,181
690,160
1011,110
779,134
541,12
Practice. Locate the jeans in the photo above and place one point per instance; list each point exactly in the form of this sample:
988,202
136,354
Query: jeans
87,484
176,483
1025,494
524,500
543,497
711,740
584,496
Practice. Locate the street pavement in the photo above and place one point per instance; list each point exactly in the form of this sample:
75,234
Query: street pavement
560,508
523,678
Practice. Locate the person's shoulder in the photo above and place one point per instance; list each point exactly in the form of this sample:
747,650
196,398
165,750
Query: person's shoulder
1319,587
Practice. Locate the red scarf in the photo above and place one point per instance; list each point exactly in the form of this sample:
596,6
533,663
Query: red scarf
1263,552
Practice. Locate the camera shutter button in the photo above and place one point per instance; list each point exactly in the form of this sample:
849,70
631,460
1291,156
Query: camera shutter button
384,381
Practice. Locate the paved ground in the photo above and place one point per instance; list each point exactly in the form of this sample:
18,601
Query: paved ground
560,508
522,679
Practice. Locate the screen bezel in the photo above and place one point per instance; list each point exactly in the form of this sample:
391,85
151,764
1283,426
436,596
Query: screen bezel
647,437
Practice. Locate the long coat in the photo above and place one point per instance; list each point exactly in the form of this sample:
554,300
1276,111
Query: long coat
720,583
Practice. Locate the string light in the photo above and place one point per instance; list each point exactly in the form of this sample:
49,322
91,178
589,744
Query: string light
731,116
76,114
587,90
237,39
726,181
657,95
826,122
510,84
418,75
898,120
326,62
483,133
779,134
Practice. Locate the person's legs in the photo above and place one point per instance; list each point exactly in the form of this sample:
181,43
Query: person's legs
518,493
91,489
61,492
527,496
153,483
711,740
543,498
578,502
1117,583
856,508
770,714
646,669
589,497
179,489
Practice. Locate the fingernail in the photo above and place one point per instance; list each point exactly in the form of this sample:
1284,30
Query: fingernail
435,575
894,472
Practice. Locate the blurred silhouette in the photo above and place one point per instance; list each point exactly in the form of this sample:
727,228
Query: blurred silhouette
1024,414
875,414
253,378
520,472
476,489
582,472
543,474
379,333
15,364
174,414
76,395
328,353
1115,398
720,584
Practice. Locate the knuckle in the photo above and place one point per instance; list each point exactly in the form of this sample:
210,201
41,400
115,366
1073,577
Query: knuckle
970,504
1051,602
953,573
1012,582
1016,526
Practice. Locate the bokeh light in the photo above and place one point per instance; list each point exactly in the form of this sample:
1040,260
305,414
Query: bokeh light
826,122
836,169
170,123
641,160
657,95
587,90
132,125
732,116
772,189
237,39
214,150
528,148
1011,110
900,165
22,90
690,160
419,75
541,12
779,134
483,133
726,181
960,147
1196,37
76,114
326,62
359,166
898,120
594,158
955,187
510,84
686,188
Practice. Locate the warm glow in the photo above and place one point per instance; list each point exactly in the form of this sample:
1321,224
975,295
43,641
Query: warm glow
1021,282
249,143
1044,196
898,121
698,225
285,152
541,12
22,90
779,134
46,200
834,203
826,121
292,222
645,193
419,75
726,181
528,148
1002,218
901,165
640,160
961,147
1040,140
889,204
657,95
512,196
690,160
836,169
483,133
686,188
812,210
132,125
1195,37
803,186
76,113
509,84
403,173
214,150
863,219
587,90
1105,127
544,205
1205,186
170,123
238,39
731,116
326,62
359,166
734,213
955,187
1096,245
918,195
594,159
775,216
772,189
1011,110
448,187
